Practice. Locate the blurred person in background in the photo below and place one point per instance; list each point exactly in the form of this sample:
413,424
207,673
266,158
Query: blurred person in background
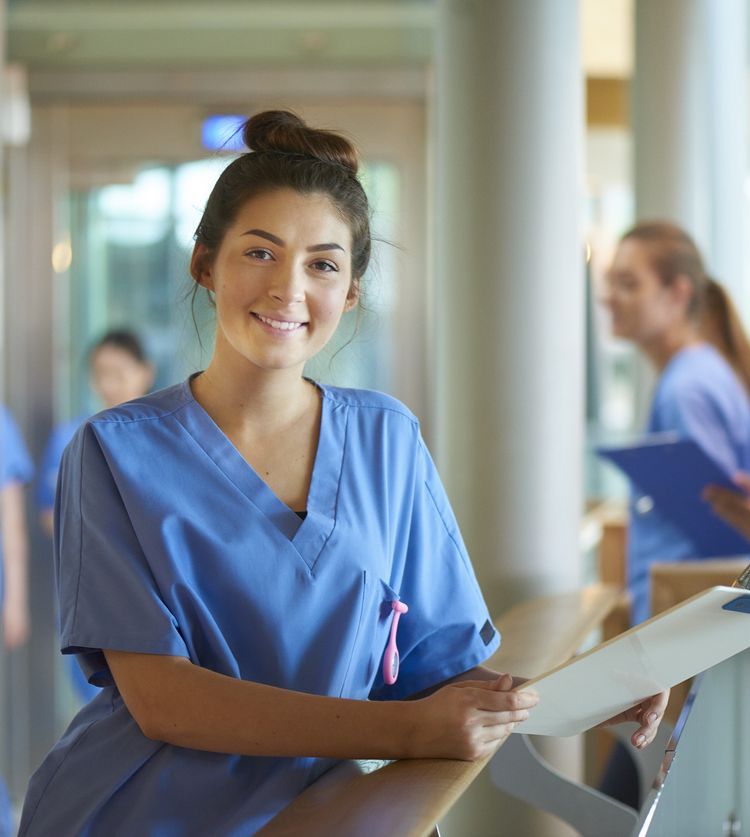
661,298
15,471
119,371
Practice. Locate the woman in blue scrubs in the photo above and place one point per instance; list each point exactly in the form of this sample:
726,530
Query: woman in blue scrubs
234,553
662,299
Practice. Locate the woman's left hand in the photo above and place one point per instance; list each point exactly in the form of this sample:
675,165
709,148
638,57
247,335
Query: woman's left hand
648,713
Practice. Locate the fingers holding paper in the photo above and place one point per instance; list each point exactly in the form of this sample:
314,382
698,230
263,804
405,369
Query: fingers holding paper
469,719
647,714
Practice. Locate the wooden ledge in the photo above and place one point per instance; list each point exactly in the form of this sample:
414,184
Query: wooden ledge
540,634
407,798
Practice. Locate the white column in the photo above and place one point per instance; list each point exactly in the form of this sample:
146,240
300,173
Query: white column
689,120
509,302
510,288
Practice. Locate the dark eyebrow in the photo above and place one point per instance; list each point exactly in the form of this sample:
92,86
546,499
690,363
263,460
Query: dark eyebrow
316,248
267,235
330,246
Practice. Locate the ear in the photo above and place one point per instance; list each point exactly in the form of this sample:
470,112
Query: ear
352,297
200,266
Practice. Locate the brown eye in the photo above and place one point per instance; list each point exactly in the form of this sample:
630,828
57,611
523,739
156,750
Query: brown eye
260,254
325,266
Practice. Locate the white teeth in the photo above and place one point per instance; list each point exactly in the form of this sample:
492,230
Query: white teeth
278,324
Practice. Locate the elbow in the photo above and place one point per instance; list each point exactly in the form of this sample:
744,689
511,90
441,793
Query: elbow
155,722
151,728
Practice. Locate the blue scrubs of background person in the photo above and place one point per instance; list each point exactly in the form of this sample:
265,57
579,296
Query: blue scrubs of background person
661,299
700,397
229,550
16,469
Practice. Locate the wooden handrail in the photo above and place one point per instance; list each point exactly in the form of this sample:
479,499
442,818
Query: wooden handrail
406,798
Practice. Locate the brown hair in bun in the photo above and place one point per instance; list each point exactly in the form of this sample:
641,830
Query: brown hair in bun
285,132
285,153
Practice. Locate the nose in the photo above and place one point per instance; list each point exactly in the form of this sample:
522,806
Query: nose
287,284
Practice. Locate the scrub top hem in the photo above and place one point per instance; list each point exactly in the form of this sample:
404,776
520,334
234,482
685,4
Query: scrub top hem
70,644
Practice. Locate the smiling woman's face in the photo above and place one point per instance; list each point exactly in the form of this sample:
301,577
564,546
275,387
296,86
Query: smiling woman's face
282,279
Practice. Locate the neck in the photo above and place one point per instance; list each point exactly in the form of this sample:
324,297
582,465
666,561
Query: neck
661,350
238,395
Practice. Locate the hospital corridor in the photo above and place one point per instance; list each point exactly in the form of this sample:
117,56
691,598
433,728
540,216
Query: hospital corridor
363,360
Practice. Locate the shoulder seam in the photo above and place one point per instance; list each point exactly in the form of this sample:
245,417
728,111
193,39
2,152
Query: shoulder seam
403,411
123,420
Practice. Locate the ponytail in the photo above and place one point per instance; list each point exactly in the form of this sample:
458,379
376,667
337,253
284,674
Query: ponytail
721,325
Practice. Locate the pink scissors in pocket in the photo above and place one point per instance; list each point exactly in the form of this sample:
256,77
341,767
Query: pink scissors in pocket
391,659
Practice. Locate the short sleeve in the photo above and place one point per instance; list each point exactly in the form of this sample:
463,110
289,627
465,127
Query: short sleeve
108,596
15,462
695,415
448,629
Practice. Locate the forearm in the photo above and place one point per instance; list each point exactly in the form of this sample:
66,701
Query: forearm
197,708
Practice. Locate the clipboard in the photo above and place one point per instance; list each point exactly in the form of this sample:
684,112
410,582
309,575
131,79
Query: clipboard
673,472
657,654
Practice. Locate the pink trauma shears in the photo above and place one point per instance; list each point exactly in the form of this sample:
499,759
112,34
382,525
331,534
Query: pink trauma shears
390,660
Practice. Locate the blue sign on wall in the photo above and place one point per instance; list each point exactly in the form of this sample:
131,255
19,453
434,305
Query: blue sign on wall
222,132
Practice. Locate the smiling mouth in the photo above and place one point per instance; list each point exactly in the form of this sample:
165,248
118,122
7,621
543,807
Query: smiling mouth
279,325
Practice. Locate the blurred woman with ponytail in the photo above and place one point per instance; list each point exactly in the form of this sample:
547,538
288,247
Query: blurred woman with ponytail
661,298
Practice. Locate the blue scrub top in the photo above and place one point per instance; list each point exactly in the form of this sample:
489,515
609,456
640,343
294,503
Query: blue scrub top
15,462
700,397
49,467
169,543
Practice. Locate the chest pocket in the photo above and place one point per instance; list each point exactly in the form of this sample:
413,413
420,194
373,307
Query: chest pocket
365,669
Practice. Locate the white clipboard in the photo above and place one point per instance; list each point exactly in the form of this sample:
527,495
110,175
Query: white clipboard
655,655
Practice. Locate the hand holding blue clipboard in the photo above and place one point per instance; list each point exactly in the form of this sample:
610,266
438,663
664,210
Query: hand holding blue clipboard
674,472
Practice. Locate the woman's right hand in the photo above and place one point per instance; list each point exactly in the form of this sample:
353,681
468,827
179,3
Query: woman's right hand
468,719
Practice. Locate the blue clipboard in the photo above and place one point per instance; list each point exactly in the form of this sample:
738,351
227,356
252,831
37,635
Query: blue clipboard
673,473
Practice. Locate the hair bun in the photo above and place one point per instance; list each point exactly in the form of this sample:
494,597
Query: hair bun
284,131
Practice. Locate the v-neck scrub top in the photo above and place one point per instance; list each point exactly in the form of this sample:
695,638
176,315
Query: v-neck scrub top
169,543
